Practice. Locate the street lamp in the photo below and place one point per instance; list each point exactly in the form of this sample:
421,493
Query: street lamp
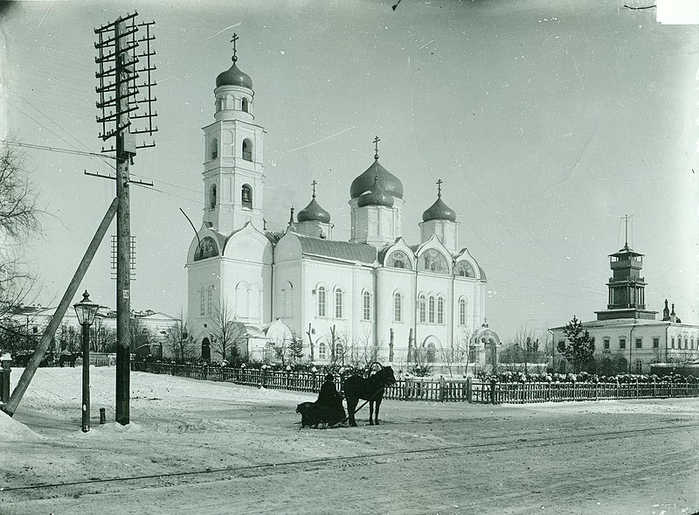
86,311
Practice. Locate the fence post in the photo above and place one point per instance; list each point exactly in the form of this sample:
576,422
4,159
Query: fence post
469,389
492,390
442,388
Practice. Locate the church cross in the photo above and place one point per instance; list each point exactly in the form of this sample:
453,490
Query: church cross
376,147
314,187
439,188
233,40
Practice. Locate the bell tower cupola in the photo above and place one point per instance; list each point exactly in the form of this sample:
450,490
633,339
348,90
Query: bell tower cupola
233,155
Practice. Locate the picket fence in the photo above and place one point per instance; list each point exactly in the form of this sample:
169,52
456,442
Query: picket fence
440,389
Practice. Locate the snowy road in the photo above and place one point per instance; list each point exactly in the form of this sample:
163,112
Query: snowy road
199,447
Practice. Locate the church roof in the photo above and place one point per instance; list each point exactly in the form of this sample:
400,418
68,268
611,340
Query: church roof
313,212
389,182
337,249
234,77
439,211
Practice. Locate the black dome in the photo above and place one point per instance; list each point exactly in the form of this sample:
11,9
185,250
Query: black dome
439,211
376,196
389,182
313,213
234,77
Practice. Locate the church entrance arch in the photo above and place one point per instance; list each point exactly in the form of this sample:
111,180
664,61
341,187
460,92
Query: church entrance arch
206,349
429,349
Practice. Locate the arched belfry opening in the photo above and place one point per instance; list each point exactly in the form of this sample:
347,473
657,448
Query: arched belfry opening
212,198
246,196
247,150
245,105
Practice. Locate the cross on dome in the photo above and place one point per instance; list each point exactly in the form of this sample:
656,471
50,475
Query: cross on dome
314,187
233,40
376,147
439,188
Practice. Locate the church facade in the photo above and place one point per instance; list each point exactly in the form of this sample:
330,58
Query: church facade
375,296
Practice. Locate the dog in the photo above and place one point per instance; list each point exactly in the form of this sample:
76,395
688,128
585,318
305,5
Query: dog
309,414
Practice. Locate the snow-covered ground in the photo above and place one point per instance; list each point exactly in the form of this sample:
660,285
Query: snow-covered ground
206,447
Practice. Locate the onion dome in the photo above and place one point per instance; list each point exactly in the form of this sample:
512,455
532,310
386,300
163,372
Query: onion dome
313,213
376,196
388,182
234,77
439,210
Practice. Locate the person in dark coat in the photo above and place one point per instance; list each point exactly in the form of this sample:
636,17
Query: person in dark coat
329,403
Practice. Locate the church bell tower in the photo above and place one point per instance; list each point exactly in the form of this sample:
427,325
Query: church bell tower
233,155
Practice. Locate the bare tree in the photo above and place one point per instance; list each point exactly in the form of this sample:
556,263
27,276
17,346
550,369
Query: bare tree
102,338
18,219
179,341
227,334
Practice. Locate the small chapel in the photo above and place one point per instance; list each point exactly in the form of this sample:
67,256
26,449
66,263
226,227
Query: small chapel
375,296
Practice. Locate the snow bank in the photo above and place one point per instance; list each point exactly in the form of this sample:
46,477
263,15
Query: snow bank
13,431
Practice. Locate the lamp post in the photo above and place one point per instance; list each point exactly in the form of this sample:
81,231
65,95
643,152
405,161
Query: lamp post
86,311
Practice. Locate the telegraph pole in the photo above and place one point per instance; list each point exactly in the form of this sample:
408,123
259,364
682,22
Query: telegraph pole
119,69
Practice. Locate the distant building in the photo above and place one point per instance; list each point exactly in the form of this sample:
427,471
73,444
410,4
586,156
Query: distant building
35,318
628,338
373,295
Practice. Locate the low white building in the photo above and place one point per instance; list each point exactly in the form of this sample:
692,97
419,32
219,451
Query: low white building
628,338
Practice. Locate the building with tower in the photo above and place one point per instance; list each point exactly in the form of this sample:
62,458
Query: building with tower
628,338
374,295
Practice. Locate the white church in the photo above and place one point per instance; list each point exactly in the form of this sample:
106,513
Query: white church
375,295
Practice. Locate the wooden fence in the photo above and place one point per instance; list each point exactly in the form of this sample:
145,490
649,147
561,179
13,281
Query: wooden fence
435,389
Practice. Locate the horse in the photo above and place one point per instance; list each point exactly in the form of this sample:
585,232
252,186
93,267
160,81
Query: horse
68,357
370,389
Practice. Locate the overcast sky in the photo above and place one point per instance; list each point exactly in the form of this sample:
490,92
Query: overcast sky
547,121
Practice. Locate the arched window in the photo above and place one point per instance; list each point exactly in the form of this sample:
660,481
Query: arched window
397,307
321,301
440,310
245,105
398,259
421,307
686,343
639,366
214,148
246,196
433,261
430,310
212,198
464,269
202,302
672,342
210,301
247,149
339,353
692,343
321,350
366,306
338,303
462,311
